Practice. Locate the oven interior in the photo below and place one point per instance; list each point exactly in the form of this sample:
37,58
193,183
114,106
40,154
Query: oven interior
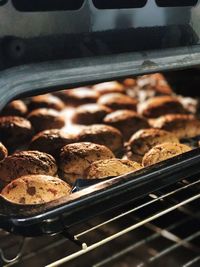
159,229
102,41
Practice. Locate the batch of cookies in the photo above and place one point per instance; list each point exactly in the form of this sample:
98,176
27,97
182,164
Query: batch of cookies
95,132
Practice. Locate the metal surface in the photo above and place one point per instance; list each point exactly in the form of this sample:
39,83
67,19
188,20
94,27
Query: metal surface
166,230
33,24
46,77
27,37
64,213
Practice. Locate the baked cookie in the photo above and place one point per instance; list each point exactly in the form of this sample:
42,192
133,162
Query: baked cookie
103,135
161,105
117,101
45,101
15,131
78,96
126,121
25,163
111,168
163,152
15,108
129,82
3,152
35,189
109,87
142,141
76,158
155,82
90,114
45,119
183,126
51,141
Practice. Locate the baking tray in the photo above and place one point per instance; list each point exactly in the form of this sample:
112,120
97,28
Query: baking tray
60,215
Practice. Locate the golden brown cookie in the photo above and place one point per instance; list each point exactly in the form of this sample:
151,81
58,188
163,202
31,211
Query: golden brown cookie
3,152
46,101
163,152
46,119
190,104
126,121
130,82
110,168
15,108
25,163
90,114
15,131
103,135
161,105
76,158
117,101
155,82
51,141
142,141
183,126
35,189
109,87
133,157
78,96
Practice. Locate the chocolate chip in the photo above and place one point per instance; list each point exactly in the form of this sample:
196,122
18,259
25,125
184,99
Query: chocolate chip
31,191
53,191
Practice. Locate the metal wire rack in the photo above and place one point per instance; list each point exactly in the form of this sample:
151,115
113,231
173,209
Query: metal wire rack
162,228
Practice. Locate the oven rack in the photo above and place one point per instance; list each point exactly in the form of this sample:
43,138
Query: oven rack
157,213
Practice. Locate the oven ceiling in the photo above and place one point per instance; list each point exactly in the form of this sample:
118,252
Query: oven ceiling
30,33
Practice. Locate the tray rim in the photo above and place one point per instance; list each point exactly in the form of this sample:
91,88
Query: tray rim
150,179
38,78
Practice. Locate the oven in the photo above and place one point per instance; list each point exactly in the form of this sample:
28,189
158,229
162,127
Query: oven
152,220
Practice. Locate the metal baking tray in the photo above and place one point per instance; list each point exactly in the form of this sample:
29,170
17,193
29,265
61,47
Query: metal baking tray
60,215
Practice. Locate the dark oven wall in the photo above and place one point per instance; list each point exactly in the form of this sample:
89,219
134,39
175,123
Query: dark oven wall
185,82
